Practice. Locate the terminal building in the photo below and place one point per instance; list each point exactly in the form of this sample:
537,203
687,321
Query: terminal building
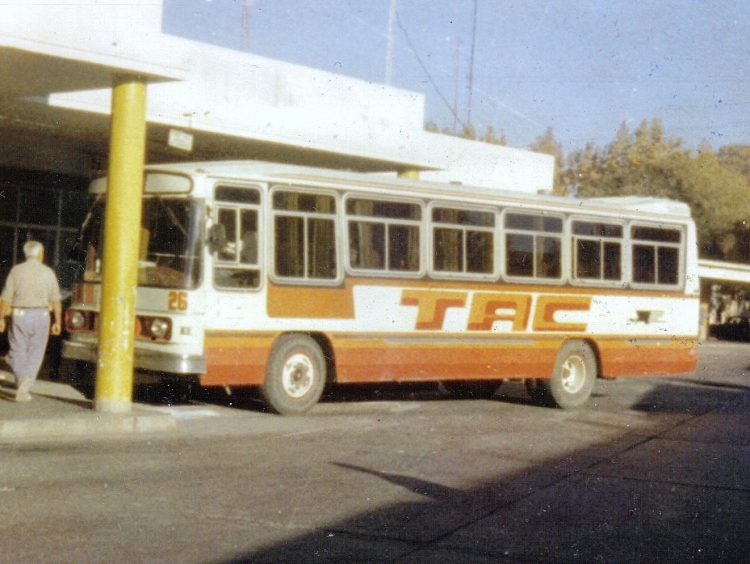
58,63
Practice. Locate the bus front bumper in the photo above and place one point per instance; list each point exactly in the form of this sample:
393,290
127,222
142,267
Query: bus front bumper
142,359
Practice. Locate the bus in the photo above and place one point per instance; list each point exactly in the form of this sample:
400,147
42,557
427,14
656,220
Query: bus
290,278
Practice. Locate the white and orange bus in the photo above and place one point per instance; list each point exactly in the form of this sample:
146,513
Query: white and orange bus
288,278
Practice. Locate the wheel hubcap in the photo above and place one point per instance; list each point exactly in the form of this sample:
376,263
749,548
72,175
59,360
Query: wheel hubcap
298,375
573,374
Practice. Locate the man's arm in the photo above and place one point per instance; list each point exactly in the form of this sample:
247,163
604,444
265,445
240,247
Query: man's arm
4,312
56,317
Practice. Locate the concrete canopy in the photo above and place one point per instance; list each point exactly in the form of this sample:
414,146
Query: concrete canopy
45,49
58,61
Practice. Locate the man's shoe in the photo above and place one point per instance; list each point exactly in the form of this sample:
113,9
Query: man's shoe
22,394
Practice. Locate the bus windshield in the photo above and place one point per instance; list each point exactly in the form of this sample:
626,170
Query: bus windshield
170,243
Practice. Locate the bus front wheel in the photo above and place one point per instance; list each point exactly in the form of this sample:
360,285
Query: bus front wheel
573,378
295,375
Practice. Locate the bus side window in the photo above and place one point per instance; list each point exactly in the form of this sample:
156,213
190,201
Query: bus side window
227,218
463,241
533,246
656,255
249,237
304,235
237,263
366,245
597,248
383,235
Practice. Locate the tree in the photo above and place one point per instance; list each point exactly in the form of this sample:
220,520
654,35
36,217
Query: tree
490,137
548,145
737,158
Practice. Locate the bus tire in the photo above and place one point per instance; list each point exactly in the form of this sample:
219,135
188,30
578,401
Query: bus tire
295,375
574,377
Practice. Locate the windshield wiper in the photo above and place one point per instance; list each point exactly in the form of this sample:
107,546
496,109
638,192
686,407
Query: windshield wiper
89,215
172,217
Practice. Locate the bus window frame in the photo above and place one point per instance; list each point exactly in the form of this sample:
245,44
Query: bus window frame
386,272
218,264
624,240
495,236
562,235
681,257
335,216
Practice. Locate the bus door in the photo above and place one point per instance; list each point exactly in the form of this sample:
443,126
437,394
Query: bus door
236,248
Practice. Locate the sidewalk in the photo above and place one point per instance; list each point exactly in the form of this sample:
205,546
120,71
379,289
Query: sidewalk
58,410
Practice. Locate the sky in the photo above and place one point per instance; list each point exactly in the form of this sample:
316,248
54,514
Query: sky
580,67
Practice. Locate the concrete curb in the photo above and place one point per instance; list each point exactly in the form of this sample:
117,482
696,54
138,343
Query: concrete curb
59,411
93,424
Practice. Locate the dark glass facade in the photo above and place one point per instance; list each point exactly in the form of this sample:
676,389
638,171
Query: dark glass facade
45,207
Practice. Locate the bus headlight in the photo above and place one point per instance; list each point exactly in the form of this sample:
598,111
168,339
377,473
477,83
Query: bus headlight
76,320
159,328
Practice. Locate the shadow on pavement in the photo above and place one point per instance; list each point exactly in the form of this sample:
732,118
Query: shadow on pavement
673,488
677,490
687,396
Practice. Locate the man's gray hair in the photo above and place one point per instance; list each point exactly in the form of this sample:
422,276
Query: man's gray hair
33,249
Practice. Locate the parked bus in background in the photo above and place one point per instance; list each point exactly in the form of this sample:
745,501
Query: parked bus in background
288,278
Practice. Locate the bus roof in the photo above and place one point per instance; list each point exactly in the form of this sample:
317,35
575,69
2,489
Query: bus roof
262,171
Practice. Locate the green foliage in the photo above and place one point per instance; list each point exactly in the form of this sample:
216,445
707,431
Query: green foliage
737,158
548,145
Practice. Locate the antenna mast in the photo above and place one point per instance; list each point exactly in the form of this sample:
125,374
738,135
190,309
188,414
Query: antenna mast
471,61
389,48
247,8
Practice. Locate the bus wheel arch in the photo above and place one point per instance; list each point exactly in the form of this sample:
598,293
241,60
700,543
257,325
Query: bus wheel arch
326,346
573,377
296,374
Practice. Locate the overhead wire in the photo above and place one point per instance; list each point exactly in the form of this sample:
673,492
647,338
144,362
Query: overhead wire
442,97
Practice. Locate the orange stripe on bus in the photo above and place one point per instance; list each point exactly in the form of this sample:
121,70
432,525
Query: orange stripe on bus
634,357
236,359
380,362
310,303
240,359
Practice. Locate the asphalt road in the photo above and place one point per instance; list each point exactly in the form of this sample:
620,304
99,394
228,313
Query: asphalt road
651,470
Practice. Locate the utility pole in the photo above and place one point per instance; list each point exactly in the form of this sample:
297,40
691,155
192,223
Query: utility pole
247,8
389,47
456,74
471,61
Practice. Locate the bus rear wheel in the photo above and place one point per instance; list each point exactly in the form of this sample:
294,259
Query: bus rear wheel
573,378
295,375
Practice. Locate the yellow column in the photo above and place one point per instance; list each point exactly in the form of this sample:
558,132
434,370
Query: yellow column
122,221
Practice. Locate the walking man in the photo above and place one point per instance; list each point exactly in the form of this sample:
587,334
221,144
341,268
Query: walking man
30,293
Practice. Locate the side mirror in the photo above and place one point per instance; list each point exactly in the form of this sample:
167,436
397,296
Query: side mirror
217,238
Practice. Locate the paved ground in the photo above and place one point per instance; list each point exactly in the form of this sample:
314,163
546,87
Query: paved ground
654,470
